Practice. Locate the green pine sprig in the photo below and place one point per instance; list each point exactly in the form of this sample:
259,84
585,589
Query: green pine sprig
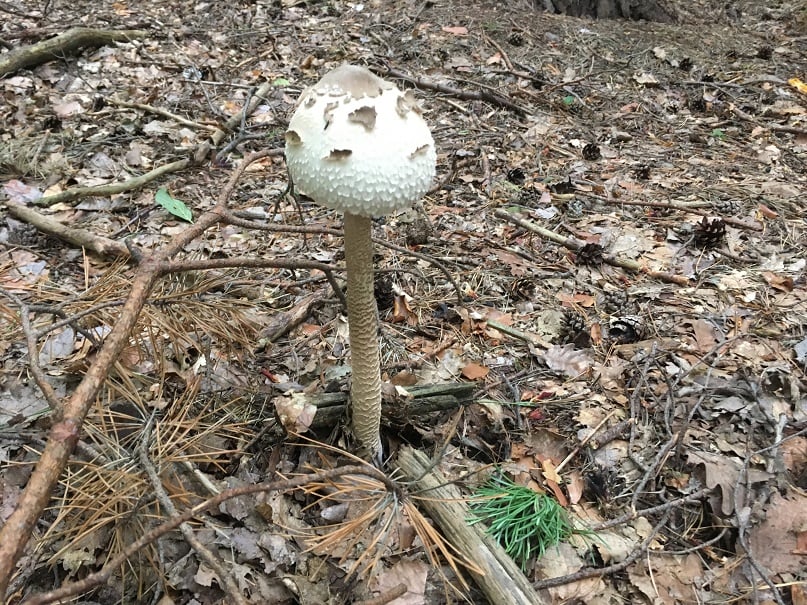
522,520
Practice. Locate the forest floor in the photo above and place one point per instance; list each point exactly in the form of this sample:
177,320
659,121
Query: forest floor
619,205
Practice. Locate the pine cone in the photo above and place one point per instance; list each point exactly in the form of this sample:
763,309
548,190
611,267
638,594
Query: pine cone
626,329
728,207
615,302
522,288
384,294
529,197
418,232
573,326
590,254
591,152
710,233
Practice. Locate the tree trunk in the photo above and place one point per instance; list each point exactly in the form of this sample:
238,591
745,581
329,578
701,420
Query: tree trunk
649,10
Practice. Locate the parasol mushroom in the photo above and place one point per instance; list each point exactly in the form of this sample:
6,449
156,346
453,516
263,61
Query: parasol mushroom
357,144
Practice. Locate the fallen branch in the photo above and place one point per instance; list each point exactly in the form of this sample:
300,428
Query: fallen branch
78,237
197,155
594,572
71,195
729,220
331,407
575,245
225,578
775,127
33,352
501,580
63,44
66,427
162,113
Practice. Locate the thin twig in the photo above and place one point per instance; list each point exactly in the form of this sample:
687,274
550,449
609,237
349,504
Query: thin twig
224,578
622,519
70,195
610,569
429,259
575,245
651,470
729,220
480,95
696,548
161,112
33,353
113,564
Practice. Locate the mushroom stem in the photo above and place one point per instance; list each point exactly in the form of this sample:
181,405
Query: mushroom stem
362,314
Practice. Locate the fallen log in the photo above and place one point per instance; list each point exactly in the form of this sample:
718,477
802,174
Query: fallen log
62,45
501,580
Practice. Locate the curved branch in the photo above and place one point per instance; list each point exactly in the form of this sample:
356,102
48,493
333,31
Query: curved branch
66,428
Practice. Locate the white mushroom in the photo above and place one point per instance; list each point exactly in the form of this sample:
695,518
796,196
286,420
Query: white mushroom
356,143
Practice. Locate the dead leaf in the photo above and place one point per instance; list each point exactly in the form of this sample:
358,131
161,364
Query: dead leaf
783,283
775,540
575,485
646,79
19,192
475,371
706,335
404,378
518,266
456,30
577,299
565,359
402,312
411,574
798,85
295,412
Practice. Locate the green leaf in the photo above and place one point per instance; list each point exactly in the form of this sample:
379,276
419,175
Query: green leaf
569,99
718,134
173,205
280,82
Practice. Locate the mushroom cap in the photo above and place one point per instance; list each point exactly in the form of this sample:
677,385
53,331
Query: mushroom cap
358,144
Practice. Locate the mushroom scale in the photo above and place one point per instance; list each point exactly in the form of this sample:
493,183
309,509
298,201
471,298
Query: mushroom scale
358,144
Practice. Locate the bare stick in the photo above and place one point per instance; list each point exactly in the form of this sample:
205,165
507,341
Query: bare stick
70,195
33,352
729,220
162,112
575,244
592,572
78,237
479,95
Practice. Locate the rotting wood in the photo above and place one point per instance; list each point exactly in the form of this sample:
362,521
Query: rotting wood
332,407
502,581
61,45
425,399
